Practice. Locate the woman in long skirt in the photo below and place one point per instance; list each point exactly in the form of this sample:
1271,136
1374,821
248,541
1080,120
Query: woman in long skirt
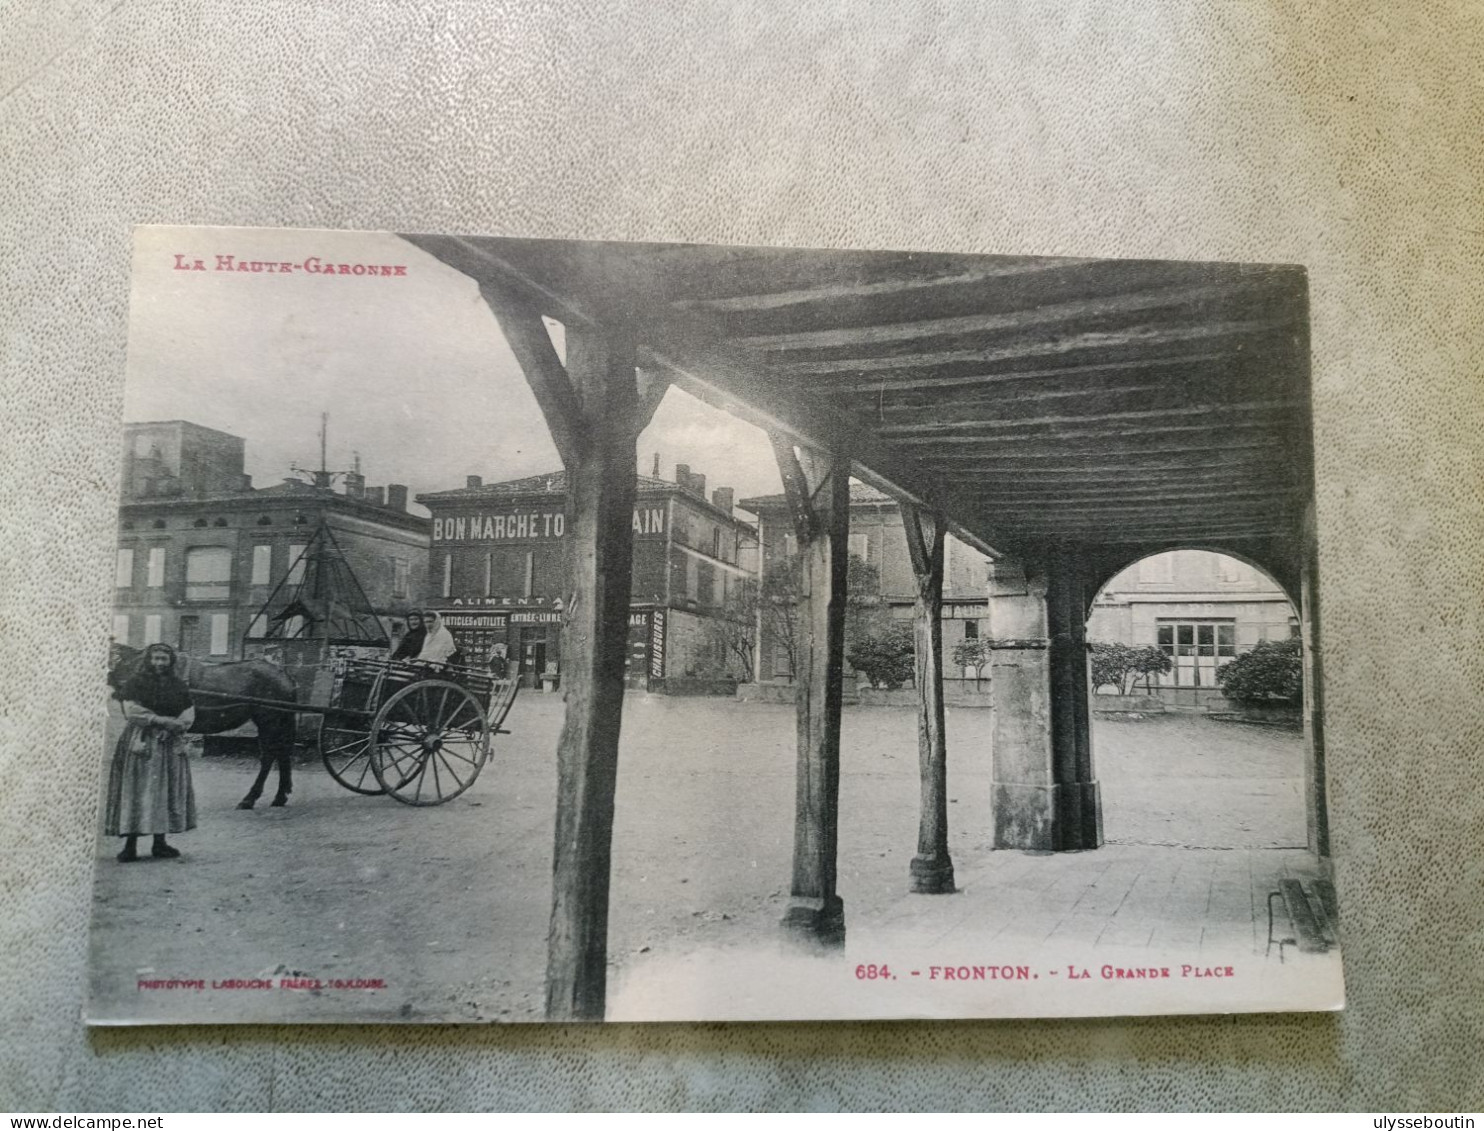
149,780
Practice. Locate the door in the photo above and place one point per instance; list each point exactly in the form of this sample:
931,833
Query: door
532,655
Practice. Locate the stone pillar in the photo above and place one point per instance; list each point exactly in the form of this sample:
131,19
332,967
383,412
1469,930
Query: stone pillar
1045,795
1315,797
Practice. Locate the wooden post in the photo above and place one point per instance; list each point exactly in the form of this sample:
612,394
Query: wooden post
818,490
932,867
595,411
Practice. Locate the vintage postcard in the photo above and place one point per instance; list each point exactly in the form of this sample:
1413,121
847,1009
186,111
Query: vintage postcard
521,630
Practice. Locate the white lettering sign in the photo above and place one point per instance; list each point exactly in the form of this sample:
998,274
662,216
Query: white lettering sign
529,526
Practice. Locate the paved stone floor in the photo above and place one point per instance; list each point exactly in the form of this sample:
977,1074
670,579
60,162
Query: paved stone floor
450,904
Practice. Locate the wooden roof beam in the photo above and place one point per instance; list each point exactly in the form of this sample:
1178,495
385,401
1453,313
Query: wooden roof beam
1146,336
729,384
1159,298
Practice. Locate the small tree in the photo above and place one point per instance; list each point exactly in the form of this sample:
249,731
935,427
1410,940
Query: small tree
1120,665
974,654
887,659
735,630
866,614
1272,670
778,598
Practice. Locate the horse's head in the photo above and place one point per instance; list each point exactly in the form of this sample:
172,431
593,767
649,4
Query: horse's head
123,661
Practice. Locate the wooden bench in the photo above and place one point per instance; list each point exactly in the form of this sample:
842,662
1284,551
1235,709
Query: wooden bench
1313,916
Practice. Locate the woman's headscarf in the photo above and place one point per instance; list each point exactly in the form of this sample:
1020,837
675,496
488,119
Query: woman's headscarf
159,693
439,644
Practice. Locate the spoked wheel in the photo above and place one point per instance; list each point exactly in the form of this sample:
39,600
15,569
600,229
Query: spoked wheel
347,755
429,742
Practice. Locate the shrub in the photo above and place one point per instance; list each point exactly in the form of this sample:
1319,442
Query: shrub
1120,665
1272,670
887,658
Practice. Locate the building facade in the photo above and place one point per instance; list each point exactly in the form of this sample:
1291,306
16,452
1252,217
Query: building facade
497,571
878,538
1200,608
200,549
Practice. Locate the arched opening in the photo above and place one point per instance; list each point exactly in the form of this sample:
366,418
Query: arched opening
1182,763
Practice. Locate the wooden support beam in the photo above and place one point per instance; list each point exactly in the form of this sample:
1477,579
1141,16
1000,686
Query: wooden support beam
1082,310
818,488
740,386
1199,361
596,404
526,334
1208,433
652,390
1093,341
916,286
931,869
976,420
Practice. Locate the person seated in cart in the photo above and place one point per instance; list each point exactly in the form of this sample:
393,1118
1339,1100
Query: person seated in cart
439,647
412,641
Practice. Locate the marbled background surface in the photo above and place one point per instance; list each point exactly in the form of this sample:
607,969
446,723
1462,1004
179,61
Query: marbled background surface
1321,134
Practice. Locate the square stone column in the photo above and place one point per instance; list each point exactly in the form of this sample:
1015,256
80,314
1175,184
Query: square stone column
1045,795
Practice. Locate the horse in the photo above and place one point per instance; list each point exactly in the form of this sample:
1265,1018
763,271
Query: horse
216,711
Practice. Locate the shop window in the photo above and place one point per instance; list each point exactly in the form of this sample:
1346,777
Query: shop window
123,569
208,573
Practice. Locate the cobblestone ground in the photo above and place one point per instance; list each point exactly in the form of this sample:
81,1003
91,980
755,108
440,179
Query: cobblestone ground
450,904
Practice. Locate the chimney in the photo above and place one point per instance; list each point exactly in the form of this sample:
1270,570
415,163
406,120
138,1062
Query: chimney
656,472
698,485
682,475
355,485
472,481
246,484
396,496
376,496
722,499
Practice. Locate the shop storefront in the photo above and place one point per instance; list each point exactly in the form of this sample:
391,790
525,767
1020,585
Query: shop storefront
529,641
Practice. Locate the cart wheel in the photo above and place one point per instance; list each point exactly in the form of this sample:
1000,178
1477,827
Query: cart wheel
347,755
429,742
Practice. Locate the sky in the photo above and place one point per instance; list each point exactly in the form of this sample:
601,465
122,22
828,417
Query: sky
413,369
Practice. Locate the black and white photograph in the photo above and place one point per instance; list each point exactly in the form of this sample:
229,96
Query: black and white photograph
519,630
